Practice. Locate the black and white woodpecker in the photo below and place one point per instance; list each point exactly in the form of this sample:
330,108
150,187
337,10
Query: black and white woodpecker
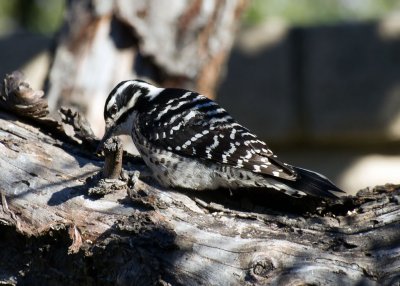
188,141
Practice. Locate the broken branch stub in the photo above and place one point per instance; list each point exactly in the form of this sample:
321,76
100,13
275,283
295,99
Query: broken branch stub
17,96
80,125
113,150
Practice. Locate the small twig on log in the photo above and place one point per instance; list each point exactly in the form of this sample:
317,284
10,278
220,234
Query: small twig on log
80,125
109,179
113,151
212,207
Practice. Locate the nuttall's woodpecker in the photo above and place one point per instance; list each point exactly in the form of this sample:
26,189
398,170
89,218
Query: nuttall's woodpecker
188,141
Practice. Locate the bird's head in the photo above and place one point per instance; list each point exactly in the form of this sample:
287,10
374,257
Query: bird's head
122,104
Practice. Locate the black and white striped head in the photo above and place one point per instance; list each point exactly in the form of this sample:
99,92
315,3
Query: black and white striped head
123,102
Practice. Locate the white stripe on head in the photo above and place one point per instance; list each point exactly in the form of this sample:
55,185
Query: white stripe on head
153,90
118,91
131,102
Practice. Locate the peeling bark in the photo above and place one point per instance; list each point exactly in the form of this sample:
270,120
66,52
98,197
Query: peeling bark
53,232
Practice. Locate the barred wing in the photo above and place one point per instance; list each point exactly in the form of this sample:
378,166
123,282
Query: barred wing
206,131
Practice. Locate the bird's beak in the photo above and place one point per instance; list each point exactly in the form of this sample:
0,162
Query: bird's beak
108,134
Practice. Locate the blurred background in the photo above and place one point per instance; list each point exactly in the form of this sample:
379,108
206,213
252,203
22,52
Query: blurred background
319,81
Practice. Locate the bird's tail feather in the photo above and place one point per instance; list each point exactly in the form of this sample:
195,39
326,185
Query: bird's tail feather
314,184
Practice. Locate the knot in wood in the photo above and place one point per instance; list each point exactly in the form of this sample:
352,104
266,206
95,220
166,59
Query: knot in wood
263,267
17,96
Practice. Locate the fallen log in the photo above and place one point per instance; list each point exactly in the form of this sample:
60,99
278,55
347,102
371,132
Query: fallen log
54,231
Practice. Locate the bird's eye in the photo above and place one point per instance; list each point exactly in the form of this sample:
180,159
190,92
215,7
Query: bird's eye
113,110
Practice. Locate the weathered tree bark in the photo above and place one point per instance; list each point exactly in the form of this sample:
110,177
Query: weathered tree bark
53,233
176,43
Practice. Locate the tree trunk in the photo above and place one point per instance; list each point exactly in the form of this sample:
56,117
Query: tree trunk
178,43
54,233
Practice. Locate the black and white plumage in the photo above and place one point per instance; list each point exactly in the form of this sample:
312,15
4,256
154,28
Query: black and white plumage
190,142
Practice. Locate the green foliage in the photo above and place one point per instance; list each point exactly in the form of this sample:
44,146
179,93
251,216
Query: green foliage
316,12
42,16
46,16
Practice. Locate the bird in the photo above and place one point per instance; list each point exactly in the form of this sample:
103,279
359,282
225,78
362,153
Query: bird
190,142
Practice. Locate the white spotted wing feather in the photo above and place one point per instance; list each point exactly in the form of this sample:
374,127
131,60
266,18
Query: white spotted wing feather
206,131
